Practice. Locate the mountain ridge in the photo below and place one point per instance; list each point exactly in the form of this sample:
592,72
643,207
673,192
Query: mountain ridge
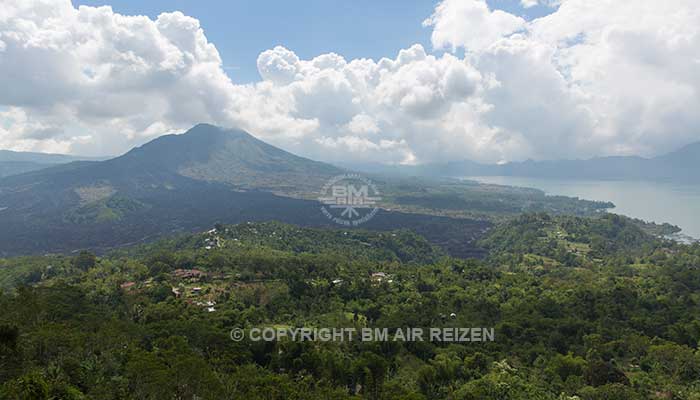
15,163
188,182
43,158
181,183
203,153
680,165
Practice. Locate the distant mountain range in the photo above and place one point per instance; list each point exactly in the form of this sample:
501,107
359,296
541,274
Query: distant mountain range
189,182
14,162
682,165
257,161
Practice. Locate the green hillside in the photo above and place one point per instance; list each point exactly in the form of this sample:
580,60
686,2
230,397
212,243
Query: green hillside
621,323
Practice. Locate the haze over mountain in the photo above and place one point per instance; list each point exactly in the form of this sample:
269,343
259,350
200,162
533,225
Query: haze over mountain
681,165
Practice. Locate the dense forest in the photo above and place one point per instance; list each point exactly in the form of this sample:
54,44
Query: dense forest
582,308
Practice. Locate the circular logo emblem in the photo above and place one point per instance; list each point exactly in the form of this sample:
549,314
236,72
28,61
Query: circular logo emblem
349,199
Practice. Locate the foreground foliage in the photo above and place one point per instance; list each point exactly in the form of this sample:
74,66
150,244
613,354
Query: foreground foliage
582,309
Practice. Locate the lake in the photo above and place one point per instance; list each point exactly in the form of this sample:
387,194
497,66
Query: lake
678,204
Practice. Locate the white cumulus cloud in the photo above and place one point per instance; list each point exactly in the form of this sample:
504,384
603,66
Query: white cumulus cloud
471,24
593,77
101,74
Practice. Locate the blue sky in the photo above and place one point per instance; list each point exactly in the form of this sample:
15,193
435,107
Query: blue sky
242,29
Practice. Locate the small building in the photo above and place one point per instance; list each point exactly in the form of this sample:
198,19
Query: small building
379,277
127,285
189,274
